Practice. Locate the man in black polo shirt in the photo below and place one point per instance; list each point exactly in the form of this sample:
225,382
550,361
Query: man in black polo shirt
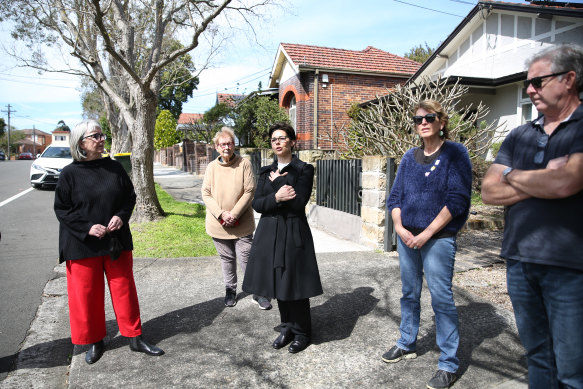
538,175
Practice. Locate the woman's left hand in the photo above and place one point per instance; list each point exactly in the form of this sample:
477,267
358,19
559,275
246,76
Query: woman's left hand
115,223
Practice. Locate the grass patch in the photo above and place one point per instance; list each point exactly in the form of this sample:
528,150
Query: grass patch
180,234
476,198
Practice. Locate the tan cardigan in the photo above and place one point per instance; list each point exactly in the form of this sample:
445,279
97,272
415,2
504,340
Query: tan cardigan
229,187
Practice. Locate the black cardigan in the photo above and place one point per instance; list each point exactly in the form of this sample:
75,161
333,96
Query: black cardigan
88,193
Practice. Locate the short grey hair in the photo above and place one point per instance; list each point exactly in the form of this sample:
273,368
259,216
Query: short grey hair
563,58
228,131
77,135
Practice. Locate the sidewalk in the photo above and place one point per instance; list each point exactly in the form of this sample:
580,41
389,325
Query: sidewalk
210,346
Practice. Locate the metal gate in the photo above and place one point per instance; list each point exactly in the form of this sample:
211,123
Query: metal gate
339,185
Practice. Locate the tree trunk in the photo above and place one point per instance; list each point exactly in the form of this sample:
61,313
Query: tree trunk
142,131
121,141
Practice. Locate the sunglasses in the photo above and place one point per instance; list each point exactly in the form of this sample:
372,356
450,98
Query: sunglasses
541,143
97,136
429,118
537,82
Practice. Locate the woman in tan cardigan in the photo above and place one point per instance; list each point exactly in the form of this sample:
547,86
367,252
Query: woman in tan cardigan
227,191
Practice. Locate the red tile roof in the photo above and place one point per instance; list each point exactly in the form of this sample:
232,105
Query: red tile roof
370,59
231,99
187,118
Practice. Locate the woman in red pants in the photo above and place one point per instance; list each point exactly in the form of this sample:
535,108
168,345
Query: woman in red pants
94,200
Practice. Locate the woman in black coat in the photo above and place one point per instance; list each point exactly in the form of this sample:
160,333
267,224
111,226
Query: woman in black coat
282,263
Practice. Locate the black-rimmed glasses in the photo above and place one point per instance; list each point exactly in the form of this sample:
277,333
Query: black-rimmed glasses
430,118
541,143
96,137
281,139
537,82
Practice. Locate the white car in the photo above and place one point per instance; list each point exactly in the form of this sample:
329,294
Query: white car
46,169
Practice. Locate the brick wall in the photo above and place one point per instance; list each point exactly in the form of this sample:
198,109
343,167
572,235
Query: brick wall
334,100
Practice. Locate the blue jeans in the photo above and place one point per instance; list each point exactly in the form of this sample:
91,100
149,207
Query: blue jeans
436,258
548,307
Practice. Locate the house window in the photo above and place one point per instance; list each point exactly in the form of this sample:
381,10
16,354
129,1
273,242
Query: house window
527,111
292,112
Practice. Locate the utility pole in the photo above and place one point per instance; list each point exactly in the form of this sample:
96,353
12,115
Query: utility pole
8,137
33,142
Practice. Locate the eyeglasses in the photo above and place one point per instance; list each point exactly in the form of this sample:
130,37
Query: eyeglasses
541,143
537,82
430,118
225,145
96,137
281,139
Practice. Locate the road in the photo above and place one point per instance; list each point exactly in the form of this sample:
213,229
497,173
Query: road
28,254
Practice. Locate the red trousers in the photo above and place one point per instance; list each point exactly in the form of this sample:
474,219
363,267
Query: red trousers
86,290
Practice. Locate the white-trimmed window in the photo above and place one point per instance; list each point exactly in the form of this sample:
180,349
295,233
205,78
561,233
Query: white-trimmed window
292,112
527,110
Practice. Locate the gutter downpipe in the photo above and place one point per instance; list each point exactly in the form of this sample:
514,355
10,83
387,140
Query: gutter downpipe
315,143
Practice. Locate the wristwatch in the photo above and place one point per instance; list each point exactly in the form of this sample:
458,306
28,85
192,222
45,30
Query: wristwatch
507,172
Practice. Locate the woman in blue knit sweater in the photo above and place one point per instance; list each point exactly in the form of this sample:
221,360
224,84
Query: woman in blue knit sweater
429,203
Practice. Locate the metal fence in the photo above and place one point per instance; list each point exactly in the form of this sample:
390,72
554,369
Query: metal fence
390,237
339,185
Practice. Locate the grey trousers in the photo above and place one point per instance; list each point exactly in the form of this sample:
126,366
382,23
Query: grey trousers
230,250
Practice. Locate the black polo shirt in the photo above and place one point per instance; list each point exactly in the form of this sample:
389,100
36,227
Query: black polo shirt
548,232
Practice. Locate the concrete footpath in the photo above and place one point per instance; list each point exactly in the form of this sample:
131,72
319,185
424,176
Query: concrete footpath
208,345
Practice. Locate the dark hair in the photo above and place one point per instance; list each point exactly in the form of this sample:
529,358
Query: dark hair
435,107
289,130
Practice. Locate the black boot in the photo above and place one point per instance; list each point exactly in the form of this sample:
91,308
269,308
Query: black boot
140,345
282,340
95,352
299,344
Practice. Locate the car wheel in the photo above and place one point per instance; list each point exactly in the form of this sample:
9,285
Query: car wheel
36,186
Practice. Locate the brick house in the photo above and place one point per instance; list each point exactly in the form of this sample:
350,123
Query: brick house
34,141
318,85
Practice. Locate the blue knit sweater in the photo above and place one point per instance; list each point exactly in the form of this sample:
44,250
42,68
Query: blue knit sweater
421,191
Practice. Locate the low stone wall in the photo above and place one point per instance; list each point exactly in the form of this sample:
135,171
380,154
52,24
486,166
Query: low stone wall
374,194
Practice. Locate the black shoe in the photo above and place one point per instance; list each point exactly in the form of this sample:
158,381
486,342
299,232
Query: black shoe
140,345
230,297
282,340
442,380
395,354
95,352
299,344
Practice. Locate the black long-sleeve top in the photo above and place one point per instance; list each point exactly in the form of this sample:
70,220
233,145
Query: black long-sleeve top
89,193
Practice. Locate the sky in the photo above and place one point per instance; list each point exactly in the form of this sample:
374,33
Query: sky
42,100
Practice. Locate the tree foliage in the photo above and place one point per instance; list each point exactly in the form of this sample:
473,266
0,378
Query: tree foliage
165,134
2,127
177,82
15,137
119,46
385,126
62,126
254,116
420,54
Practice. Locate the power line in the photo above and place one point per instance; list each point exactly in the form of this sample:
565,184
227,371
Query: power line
37,83
429,9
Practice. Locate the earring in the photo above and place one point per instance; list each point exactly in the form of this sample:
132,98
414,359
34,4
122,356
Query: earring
440,132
